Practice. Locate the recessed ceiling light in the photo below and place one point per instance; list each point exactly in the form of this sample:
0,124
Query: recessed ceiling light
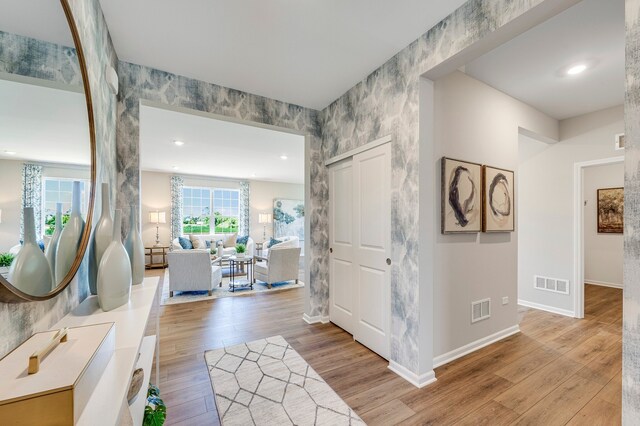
10,152
576,69
175,167
178,143
283,157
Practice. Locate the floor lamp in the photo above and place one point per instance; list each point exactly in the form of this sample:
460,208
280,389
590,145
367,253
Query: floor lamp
157,218
264,219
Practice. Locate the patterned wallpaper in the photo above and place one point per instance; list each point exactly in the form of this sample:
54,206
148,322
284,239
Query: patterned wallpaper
631,275
52,62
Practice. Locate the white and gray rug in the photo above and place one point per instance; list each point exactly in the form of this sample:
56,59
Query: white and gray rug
266,382
197,296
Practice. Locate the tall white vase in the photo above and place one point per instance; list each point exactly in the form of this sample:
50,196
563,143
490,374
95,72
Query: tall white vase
102,236
30,270
114,271
135,249
50,252
70,237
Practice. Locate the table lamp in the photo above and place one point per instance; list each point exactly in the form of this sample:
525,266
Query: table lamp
264,219
157,218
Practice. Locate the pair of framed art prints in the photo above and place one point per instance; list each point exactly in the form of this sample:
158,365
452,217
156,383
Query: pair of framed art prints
476,198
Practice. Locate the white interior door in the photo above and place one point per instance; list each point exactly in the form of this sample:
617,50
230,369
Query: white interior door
342,294
372,247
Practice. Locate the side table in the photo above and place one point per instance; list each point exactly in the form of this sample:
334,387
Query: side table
241,266
156,251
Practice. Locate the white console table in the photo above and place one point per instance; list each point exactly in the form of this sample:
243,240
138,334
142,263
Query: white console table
130,321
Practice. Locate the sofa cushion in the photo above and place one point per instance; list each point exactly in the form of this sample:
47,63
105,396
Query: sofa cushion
242,240
229,240
273,242
185,243
198,241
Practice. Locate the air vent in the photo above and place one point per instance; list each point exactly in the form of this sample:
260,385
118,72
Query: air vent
555,285
480,310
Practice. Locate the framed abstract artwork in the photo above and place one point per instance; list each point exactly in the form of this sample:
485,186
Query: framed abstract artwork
461,204
288,218
498,208
610,210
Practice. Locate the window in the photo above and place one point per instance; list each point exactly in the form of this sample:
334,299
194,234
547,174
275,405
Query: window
201,205
60,190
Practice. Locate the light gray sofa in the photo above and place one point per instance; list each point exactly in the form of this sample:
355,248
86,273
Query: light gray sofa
227,251
191,270
280,265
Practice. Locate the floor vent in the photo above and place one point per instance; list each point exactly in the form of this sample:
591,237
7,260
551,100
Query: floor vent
554,285
480,310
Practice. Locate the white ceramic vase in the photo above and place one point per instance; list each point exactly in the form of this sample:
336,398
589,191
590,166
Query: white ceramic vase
102,236
30,271
70,237
50,252
114,271
135,250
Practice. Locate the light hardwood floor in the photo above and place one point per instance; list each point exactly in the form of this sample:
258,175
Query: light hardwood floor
557,371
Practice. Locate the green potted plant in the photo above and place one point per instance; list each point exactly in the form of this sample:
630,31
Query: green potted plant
5,262
241,249
155,412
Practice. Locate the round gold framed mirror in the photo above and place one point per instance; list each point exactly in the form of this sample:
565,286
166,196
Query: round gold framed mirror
47,151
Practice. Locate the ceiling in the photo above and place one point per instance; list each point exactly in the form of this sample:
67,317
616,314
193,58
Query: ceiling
303,52
532,67
217,148
39,19
43,124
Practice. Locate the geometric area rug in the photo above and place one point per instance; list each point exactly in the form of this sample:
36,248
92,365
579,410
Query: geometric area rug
266,382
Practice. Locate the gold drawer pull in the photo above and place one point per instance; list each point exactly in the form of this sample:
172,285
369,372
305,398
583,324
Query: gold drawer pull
34,360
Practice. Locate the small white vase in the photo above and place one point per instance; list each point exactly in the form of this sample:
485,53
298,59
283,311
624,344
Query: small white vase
102,235
50,252
114,271
30,271
135,250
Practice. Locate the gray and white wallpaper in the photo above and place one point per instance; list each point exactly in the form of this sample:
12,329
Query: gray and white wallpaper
28,57
631,276
142,84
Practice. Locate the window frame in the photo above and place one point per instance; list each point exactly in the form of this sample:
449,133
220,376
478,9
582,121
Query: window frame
230,206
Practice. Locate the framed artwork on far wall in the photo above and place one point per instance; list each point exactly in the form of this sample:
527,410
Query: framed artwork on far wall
288,218
611,210
498,207
461,204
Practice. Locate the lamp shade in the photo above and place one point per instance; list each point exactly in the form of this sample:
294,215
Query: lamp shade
265,218
157,217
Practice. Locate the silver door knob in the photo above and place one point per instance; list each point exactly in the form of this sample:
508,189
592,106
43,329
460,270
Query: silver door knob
388,261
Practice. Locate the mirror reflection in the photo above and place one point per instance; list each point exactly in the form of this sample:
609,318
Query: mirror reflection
45,151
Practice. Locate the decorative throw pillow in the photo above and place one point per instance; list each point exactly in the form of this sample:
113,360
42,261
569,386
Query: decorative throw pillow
197,241
242,240
208,243
273,242
185,243
230,240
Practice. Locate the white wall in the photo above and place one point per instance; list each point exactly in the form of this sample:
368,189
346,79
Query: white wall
476,123
10,202
261,201
156,195
603,253
545,201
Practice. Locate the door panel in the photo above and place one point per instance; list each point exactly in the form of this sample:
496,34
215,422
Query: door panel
342,295
372,247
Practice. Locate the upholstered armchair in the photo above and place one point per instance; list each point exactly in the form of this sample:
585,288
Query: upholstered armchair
191,270
280,265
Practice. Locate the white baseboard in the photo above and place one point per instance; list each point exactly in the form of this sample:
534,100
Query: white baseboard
418,381
552,309
604,284
318,319
474,346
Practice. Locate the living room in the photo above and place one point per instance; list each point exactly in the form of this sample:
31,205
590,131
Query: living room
232,189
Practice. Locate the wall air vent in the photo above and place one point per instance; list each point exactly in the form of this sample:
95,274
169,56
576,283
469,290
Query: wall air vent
480,310
555,285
